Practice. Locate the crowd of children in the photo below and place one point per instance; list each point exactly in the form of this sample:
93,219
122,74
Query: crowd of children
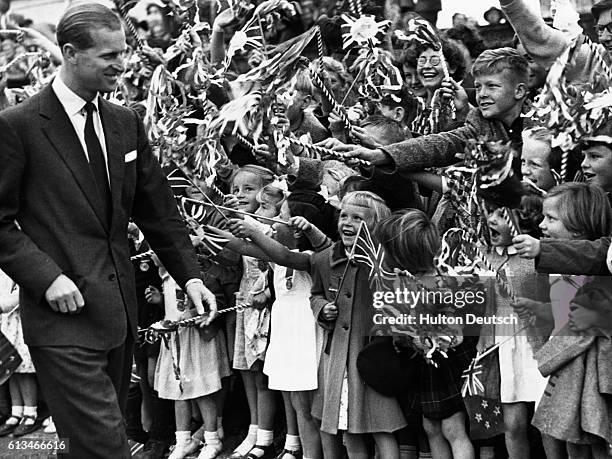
383,136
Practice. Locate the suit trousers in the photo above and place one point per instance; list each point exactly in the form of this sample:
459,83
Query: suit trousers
86,390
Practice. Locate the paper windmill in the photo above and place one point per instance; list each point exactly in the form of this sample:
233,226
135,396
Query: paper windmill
362,31
241,41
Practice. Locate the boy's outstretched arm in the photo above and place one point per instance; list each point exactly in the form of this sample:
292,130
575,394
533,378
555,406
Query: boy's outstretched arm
575,257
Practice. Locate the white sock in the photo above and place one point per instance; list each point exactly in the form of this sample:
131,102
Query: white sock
182,437
248,443
264,437
292,442
211,438
16,411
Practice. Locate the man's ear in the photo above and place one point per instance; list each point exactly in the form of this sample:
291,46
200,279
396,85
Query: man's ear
69,52
520,92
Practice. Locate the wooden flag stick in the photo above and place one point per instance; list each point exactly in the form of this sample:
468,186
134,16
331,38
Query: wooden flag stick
241,212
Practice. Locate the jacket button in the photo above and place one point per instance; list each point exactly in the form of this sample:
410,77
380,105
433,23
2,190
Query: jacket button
345,327
112,277
348,294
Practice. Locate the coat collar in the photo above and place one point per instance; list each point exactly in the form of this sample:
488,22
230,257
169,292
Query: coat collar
59,130
337,255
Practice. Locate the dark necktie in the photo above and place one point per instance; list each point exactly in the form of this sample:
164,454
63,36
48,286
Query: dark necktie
97,163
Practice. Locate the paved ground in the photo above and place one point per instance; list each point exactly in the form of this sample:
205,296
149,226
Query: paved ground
12,448
24,447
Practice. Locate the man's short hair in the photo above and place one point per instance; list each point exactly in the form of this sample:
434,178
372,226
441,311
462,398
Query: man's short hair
497,60
392,131
78,21
600,7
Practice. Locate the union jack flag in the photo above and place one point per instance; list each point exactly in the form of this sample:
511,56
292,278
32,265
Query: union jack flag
193,209
179,182
367,253
211,242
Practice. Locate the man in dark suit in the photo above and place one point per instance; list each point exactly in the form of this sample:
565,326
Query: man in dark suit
74,169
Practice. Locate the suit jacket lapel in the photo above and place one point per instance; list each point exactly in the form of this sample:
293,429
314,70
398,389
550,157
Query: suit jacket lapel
60,132
115,152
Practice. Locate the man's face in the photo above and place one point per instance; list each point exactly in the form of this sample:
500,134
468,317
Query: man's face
597,166
498,95
603,32
97,69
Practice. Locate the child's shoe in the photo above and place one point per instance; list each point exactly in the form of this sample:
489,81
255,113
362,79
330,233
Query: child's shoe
49,426
211,451
181,451
290,454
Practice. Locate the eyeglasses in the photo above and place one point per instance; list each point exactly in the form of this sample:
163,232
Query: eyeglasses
433,60
603,27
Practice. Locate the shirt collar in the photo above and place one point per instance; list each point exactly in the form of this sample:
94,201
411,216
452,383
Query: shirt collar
72,103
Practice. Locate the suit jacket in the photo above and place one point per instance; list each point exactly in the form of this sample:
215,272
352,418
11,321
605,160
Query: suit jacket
47,187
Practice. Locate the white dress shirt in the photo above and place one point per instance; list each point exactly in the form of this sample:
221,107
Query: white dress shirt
74,106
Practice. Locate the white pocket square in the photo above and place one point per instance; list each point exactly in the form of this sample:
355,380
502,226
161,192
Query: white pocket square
131,156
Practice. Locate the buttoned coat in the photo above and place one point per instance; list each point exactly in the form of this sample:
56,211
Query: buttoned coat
46,186
368,411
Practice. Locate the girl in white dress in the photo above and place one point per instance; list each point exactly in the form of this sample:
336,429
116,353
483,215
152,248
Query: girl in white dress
189,368
293,352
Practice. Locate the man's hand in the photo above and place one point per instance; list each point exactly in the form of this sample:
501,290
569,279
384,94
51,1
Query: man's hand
200,295
64,296
526,246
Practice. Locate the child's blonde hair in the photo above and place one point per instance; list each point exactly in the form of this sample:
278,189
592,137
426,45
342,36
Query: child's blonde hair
583,209
410,239
266,176
369,200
